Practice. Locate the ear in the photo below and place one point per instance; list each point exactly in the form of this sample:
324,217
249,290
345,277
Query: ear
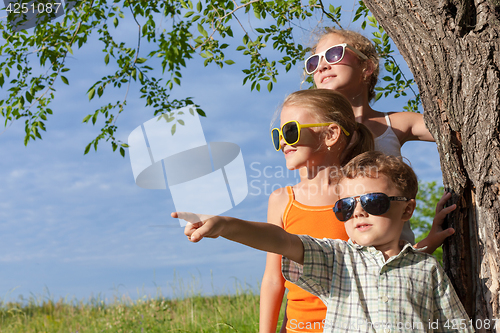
410,207
332,134
369,68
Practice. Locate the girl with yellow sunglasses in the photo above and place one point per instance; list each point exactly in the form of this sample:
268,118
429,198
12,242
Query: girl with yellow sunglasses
318,135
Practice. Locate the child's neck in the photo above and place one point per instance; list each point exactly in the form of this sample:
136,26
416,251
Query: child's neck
316,189
361,107
318,174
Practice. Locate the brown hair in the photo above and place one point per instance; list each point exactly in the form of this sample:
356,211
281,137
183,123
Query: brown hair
372,163
363,45
331,106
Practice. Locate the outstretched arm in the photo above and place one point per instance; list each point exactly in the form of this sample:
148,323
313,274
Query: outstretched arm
261,236
437,235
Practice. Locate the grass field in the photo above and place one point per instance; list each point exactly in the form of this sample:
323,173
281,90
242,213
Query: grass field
223,313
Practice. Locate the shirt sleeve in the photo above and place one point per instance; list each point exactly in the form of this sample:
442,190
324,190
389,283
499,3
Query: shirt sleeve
315,275
448,309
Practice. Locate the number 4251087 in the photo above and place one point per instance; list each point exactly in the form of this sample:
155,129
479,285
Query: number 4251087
18,8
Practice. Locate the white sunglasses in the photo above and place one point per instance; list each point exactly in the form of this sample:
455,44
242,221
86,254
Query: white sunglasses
332,55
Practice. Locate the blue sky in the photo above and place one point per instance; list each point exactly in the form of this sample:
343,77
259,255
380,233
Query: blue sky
76,226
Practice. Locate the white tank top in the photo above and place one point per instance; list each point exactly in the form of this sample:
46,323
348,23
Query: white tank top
388,142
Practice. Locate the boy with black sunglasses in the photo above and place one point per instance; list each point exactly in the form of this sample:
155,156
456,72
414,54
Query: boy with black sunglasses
373,282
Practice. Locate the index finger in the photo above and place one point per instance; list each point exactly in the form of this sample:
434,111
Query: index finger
191,217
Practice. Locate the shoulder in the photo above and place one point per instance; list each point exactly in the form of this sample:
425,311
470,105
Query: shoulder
278,200
424,262
325,244
279,196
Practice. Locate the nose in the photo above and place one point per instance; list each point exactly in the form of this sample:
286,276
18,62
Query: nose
282,142
323,65
358,210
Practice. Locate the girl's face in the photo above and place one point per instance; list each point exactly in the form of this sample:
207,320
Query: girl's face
345,76
308,151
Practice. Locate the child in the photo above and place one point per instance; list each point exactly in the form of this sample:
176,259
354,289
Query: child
348,62
306,208
374,281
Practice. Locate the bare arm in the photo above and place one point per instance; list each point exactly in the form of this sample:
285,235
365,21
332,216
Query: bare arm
410,126
261,236
273,283
437,235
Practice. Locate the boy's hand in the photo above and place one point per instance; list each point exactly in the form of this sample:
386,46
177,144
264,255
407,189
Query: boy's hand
437,235
200,225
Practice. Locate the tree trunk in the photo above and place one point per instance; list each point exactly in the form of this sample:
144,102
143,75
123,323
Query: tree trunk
453,50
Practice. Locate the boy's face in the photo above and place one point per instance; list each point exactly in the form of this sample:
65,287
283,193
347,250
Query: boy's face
382,231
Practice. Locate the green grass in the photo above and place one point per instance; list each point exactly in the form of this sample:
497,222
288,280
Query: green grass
223,313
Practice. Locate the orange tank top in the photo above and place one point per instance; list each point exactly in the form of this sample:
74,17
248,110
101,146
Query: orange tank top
305,311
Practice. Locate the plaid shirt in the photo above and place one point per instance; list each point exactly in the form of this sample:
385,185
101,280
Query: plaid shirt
364,293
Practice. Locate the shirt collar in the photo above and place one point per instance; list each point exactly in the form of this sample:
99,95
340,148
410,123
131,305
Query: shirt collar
406,247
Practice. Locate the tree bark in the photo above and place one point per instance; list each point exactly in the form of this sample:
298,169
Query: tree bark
452,48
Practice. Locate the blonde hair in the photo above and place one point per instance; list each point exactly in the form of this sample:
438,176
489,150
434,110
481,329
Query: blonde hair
363,45
331,106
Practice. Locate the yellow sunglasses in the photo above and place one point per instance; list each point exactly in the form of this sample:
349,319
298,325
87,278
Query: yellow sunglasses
290,132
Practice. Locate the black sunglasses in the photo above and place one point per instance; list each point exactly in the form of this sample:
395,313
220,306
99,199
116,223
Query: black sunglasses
372,203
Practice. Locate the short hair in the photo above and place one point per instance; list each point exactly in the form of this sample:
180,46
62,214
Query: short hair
373,163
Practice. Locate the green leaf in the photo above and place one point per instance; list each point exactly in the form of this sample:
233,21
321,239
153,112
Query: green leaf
86,119
180,121
87,148
68,48
64,79
106,59
91,93
229,62
202,31
256,12
173,129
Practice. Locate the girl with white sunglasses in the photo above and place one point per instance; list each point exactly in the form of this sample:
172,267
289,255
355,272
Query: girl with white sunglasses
347,62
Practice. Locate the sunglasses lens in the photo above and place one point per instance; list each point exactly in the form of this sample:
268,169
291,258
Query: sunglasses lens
312,64
334,54
290,133
375,203
275,134
344,208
